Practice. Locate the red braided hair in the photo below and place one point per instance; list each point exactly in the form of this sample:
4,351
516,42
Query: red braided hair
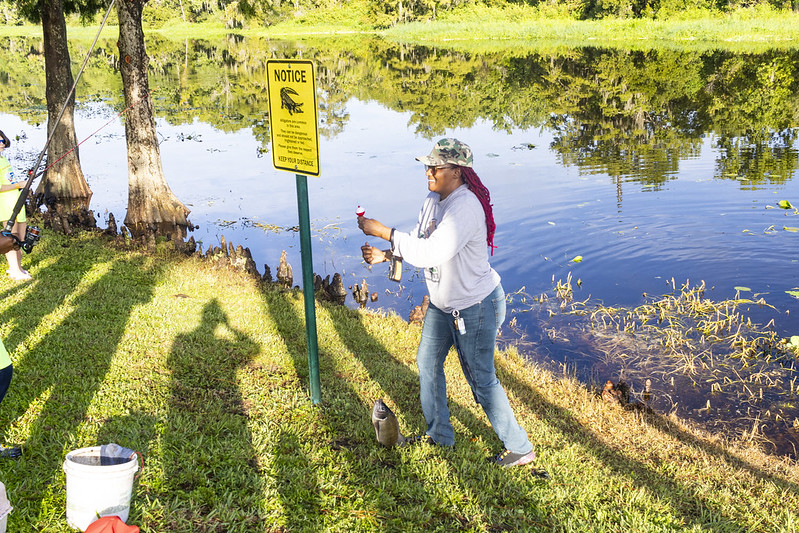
476,186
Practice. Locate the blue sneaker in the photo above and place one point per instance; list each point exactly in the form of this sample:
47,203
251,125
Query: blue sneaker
11,452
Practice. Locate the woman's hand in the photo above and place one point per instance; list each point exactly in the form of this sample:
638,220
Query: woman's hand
373,255
373,227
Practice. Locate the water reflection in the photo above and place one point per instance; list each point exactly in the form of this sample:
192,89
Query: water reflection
651,165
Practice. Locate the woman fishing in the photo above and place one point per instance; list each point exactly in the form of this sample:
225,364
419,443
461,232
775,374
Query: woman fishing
451,240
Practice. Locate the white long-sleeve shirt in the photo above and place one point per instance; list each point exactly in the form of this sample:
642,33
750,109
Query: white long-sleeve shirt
449,242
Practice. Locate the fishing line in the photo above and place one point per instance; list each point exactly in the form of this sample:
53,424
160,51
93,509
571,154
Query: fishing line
32,172
134,104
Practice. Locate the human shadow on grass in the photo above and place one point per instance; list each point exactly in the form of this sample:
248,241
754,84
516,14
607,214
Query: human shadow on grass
667,427
61,371
210,466
688,504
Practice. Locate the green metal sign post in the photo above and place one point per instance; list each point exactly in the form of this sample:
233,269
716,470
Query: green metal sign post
291,86
308,288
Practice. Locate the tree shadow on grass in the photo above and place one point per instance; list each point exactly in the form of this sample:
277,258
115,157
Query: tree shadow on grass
295,477
399,381
210,469
15,287
394,483
467,462
80,318
349,437
687,503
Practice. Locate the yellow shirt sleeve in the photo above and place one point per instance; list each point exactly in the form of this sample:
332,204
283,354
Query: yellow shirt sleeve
5,360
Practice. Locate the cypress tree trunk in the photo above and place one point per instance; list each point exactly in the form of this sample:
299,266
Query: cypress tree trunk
152,207
63,185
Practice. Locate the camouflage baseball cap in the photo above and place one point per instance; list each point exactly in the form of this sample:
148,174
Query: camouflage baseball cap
448,152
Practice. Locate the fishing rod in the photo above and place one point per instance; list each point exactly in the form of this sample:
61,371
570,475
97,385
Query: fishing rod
9,241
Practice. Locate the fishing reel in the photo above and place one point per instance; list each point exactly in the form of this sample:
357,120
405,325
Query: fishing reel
32,236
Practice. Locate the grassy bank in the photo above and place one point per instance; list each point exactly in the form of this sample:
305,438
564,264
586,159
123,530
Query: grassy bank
751,26
505,26
204,371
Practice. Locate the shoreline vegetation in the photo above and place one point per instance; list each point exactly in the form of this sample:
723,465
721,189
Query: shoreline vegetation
204,371
757,26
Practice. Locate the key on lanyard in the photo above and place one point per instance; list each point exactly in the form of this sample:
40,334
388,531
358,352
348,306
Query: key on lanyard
459,323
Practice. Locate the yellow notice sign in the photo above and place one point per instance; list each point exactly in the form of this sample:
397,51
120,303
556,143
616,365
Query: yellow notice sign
291,85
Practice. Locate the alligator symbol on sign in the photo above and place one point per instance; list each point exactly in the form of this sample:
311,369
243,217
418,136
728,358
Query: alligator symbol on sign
287,103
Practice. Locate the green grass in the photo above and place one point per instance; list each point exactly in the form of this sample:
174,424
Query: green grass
525,25
508,25
205,372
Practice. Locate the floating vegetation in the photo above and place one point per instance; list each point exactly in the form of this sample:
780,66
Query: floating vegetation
785,204
693,327
524,146
703,360
330,230
183,137
274,228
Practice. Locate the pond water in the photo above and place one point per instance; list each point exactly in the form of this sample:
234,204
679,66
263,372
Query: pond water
660,169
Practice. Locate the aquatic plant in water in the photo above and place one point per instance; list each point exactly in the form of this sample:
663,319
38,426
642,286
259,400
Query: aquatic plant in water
707,359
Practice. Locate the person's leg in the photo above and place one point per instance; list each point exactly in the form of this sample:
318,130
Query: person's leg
476,348
433,348
19,229
11,256
5,382
14,257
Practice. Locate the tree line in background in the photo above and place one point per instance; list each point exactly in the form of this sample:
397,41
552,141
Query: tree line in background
631,114
385,13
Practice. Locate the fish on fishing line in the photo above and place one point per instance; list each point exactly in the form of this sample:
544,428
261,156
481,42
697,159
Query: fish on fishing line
386,425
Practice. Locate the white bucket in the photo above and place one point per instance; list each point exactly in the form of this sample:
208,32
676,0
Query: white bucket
5,508
95,490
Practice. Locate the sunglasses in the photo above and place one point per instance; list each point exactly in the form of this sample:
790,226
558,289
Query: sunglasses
436,169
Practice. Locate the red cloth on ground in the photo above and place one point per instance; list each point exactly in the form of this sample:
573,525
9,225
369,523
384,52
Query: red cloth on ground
110,524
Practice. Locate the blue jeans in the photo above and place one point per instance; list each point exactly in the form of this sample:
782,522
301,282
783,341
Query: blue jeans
476,353
5,380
